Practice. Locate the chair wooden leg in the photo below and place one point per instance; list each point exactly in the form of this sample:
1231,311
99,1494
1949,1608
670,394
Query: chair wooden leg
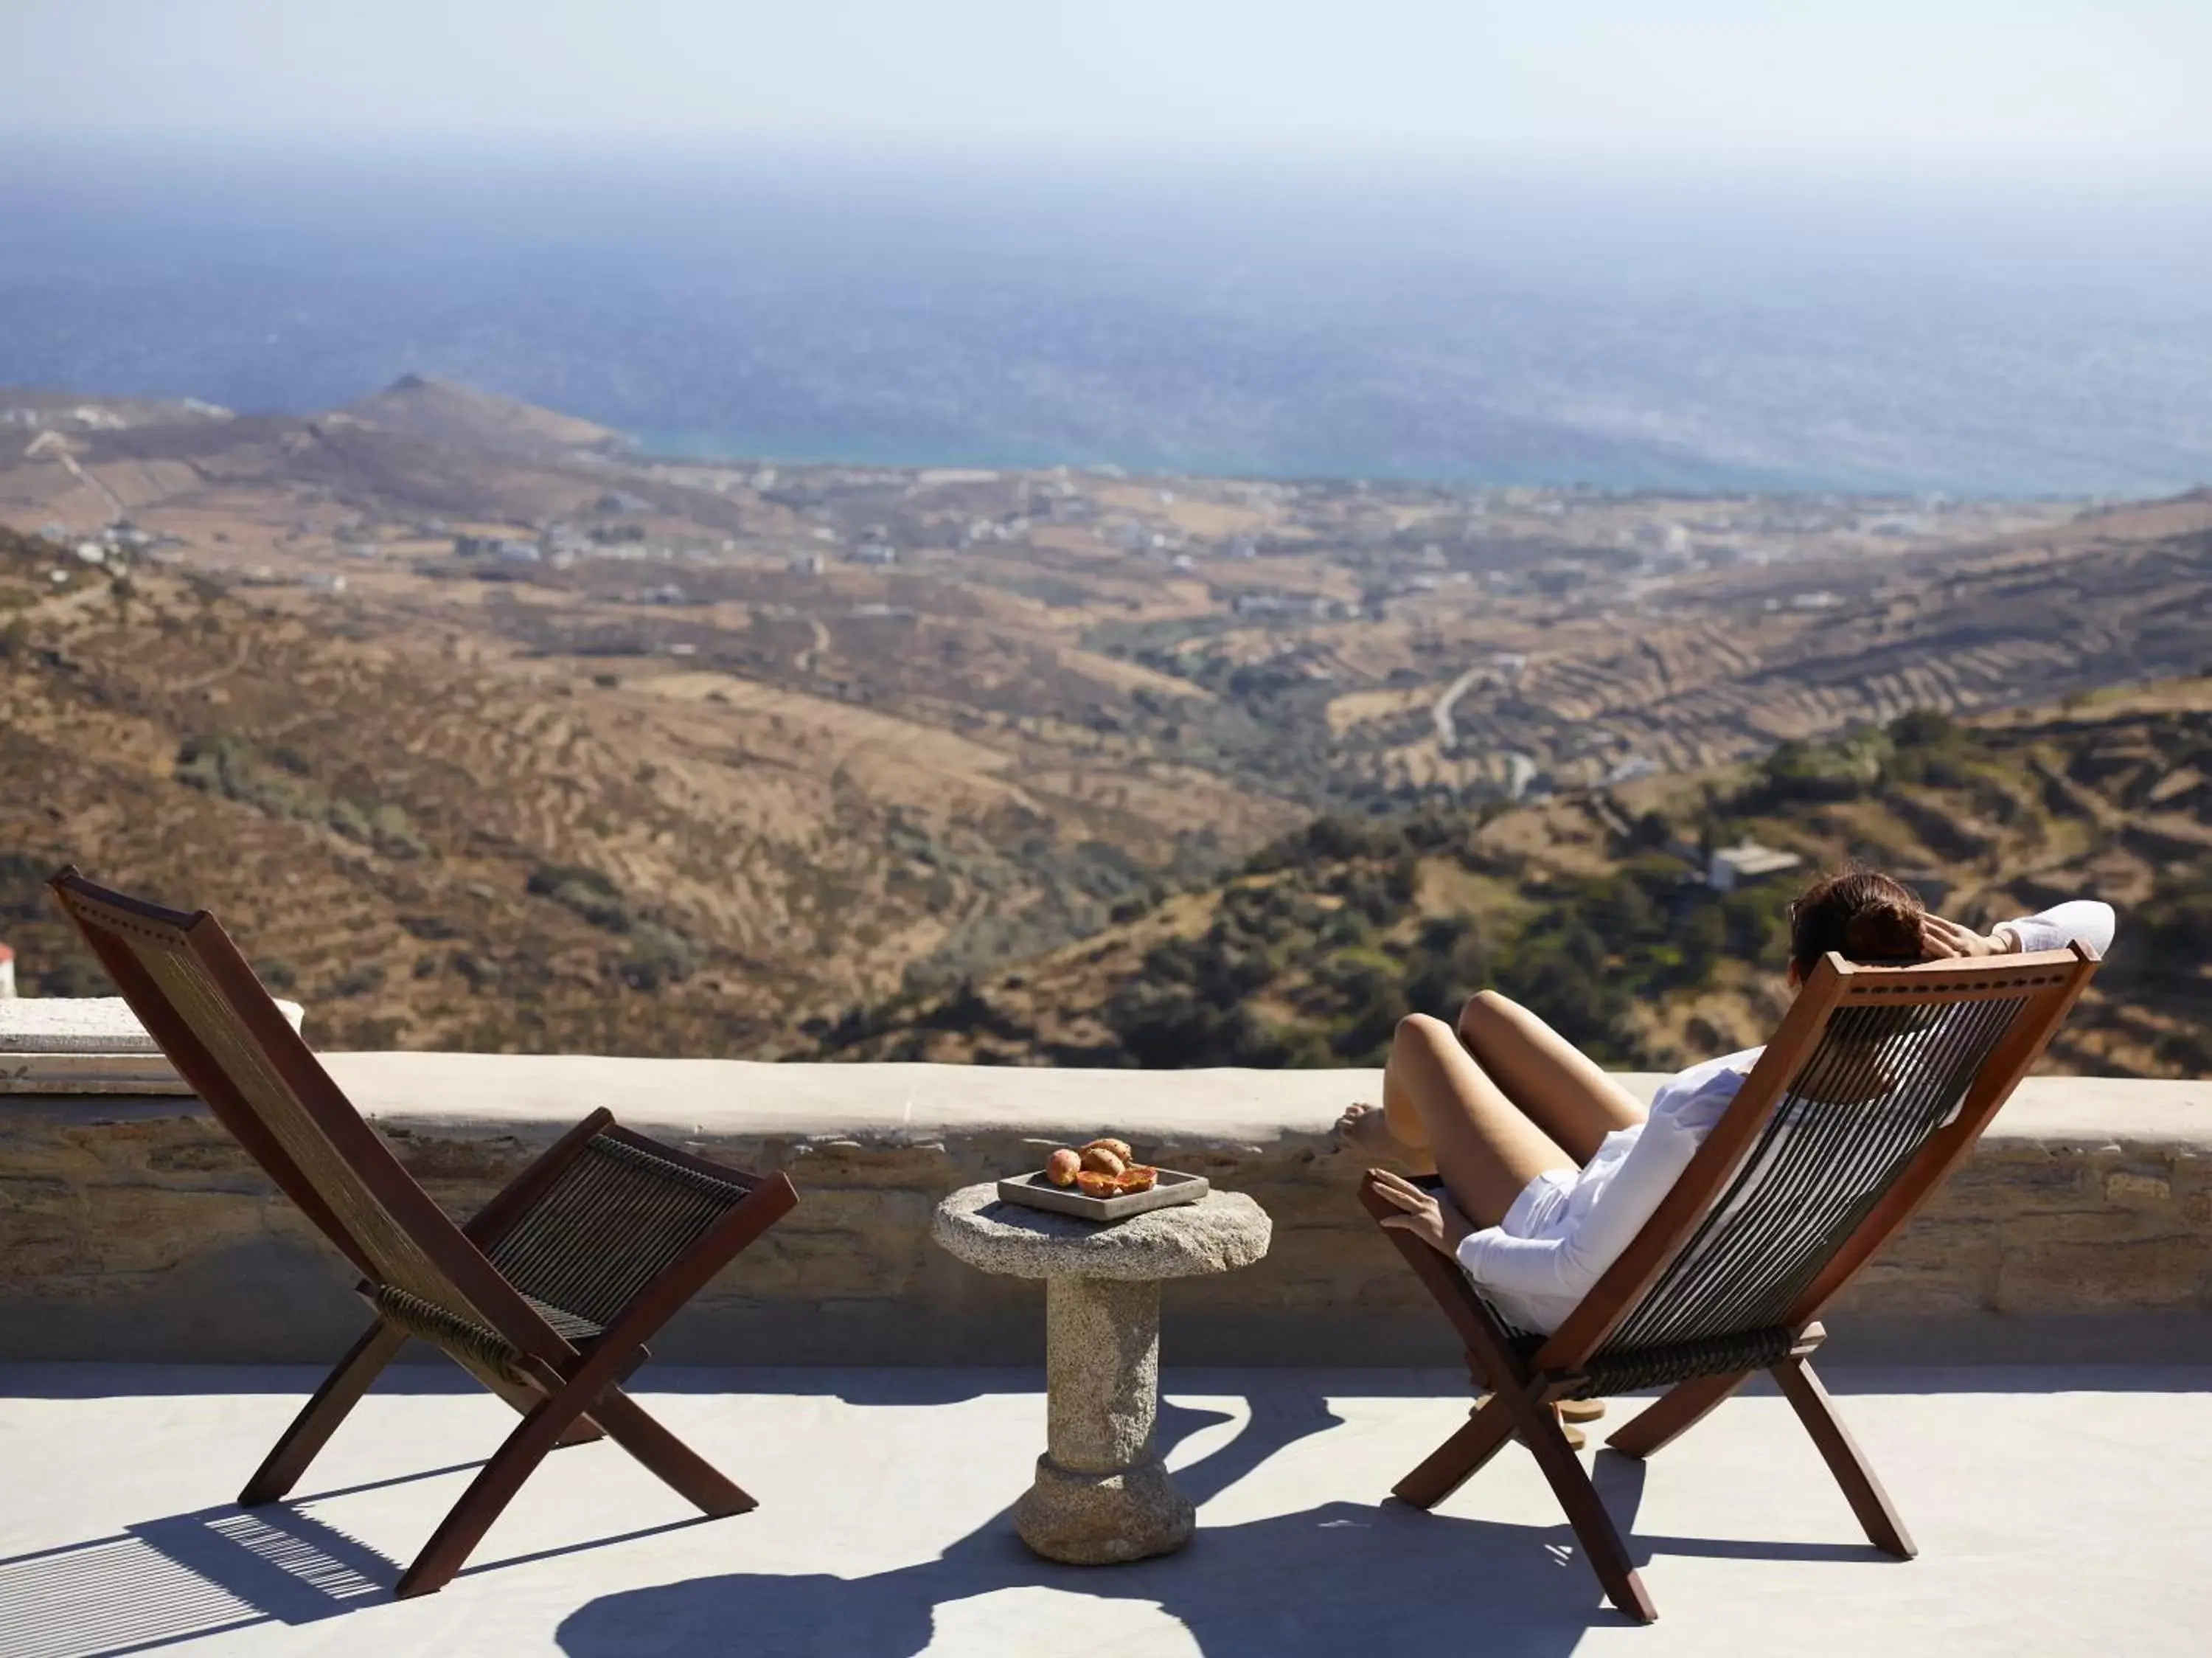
342,1389
1674,1414
682,1469
1601,1541
319,1417
1460,1457
1845,1459
489,1492
582,1431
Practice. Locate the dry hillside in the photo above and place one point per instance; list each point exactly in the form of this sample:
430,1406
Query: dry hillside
1588,907
434,842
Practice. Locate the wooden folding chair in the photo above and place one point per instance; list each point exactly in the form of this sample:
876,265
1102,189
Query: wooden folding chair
548,1297
1876,1084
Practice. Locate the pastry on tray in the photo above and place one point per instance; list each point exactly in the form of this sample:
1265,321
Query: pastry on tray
1106,1167
1095,1184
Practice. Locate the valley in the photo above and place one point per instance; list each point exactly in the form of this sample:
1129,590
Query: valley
484,729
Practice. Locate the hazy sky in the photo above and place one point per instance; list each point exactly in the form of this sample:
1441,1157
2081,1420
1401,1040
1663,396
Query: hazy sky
2101,88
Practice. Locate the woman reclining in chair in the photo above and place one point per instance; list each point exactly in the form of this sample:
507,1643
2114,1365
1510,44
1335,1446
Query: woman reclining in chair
1549,1168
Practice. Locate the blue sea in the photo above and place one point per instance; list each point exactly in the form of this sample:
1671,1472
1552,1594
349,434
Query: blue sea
1623,332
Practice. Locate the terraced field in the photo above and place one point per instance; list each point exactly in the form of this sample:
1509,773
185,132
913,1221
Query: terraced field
434,841
1714,672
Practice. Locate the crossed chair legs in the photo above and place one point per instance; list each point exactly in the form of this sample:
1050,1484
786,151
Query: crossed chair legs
581,1401
1519,1407
587,1408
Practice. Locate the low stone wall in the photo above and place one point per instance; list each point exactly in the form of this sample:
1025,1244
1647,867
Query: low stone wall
135,1228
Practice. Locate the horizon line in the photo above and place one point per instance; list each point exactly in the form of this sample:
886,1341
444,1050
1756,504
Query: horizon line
2133,171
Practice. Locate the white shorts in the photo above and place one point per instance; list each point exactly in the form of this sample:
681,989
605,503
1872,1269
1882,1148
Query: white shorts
1540,1211
1543,1211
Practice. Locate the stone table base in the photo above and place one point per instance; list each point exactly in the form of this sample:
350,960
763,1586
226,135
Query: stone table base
1101,1494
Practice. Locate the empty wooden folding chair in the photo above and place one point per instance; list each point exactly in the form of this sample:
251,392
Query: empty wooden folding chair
548,1297
1875,1087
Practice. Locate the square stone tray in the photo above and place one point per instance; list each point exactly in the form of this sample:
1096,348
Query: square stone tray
1034,1190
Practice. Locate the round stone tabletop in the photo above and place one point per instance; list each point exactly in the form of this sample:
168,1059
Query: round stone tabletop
1221,1231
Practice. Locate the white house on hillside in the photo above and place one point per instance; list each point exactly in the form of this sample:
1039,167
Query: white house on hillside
1731,867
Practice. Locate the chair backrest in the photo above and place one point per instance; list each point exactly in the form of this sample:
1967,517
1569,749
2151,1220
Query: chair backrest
1878,1081
198,999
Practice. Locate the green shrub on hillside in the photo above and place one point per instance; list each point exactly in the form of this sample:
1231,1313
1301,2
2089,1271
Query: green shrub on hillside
655,954
277,784
1842,769
584,892
658,955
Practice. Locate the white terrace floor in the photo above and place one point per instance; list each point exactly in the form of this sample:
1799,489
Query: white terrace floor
2056,1512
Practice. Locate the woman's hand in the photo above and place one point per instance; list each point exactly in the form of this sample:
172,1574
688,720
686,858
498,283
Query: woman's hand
1438,1224
1947,939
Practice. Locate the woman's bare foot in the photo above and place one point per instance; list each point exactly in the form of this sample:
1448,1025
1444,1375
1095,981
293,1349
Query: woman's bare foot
1366,1131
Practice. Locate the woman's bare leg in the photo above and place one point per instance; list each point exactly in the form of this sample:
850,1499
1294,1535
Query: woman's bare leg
1438,1104
1557,1087
1449,1115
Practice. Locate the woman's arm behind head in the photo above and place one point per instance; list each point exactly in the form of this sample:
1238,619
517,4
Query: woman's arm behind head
2077,921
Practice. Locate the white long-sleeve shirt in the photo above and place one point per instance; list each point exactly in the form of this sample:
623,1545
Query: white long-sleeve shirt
1569,1225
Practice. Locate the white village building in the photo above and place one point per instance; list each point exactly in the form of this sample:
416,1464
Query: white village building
1731,867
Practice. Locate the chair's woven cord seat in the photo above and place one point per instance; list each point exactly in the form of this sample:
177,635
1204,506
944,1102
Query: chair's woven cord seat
615,1217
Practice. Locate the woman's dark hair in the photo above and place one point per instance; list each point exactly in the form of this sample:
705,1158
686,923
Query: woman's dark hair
1867,916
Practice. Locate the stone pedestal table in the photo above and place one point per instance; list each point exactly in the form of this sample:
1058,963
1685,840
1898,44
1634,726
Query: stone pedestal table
1101,1494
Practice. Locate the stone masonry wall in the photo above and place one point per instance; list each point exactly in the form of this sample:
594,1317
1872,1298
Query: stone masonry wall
137,1230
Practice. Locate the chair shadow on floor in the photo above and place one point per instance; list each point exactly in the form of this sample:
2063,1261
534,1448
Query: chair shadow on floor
216,1570
1341,1577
